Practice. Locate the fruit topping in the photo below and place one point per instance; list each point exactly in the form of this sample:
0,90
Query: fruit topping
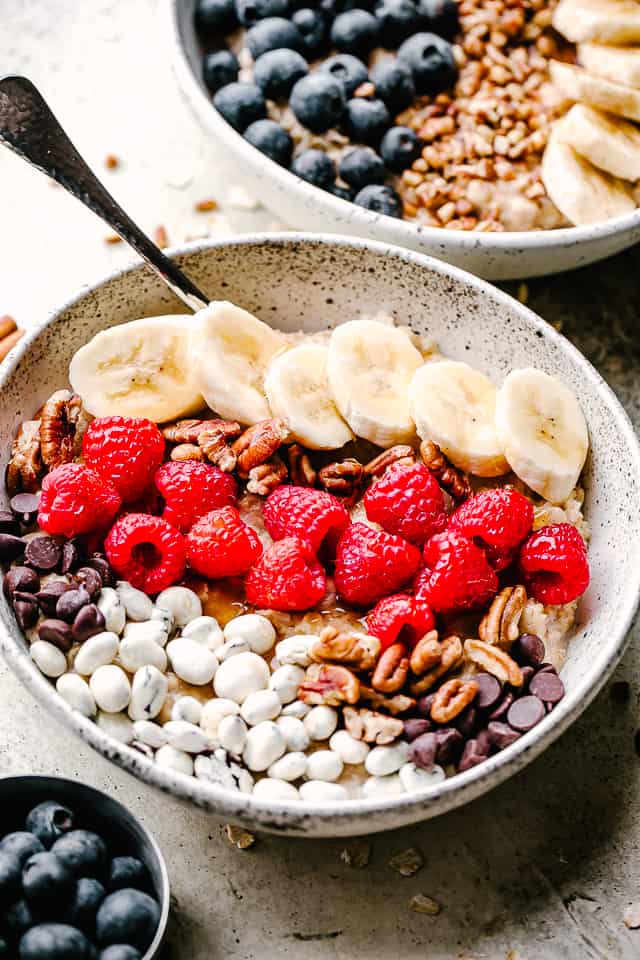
221,544
554,564
312,515
126,451
286,577
456,574
76,500
497,520
400,619
147,551
408,501
371,564
190,489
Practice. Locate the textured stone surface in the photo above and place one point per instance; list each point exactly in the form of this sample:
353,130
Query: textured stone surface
546,865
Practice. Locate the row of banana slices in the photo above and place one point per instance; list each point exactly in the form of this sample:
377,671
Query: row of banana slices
367,379
593,154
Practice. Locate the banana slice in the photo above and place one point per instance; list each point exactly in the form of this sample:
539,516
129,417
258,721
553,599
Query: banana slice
610,143
576,84
543,432
581,192
369,366
453,405
139,369
234,351
605,21
612,63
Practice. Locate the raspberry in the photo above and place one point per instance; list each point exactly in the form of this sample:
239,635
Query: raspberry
76,500
191,489
408,501
313,515
125,450
456,576
496,520
286,577
221,544
554,564
146,551
400,619
371,564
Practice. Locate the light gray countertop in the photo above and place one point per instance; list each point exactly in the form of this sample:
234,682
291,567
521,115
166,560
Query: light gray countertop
543,867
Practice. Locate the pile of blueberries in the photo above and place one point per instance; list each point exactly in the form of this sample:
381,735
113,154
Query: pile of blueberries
63,896
284,35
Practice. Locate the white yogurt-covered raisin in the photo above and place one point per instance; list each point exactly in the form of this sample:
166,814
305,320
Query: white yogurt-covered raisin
295,649
290,767
116,725
153,630
205,630
139,651
256,630
187,708
112,609
260,705
212,713
324,765
382,761
148,693
111,688
186,736
170,758
414,778
294,733
136,603
388,786
232,734
183,603
95,652
285,682
231,648
48,658
191,661
265,744
348,748
275,791
320,791
76,692
320,722
296,709
239,676
150,733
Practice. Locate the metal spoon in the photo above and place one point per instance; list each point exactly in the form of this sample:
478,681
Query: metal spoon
29,128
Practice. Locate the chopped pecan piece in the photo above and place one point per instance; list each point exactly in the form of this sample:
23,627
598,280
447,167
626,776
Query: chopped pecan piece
187,451
342,478
259,443
328,684
61,427
184,431
450,657
399,703
454,481
426,654
500,626
372,727
301,472
452,698
359,650
494,661
25,468
392,669
401,454
214,441
266,477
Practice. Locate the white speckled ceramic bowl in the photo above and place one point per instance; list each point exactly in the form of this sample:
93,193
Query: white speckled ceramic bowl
494,256
308,282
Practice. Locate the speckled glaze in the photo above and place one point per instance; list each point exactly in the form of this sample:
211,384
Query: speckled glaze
295,281
494,256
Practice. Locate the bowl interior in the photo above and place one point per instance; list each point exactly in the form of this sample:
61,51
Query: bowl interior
312,283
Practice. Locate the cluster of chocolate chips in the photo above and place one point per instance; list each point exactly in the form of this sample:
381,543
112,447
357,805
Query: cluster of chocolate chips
497,717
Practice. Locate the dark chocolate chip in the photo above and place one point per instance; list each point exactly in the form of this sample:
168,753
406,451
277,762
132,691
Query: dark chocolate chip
489,692
467,722
472,755
484,741
525,713
501,710
88,622
9,523
71,603
528,650
43,553
415,727
424,704
50,594
450,743
70,556
104,569
423,751
90,580
547,686
620,691
57,632
25,507
23,579
11,548
527,673
502,735
26,610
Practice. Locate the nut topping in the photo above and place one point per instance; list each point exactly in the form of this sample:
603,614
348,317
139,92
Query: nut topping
301,472
494,660
401,454
259,443
392,669
61,428
450,657
500,626
372,727
399,703
454,481
184,431
187,451
359,650
327,684
452,698
266,477
342,478
214,442
426,654
25,468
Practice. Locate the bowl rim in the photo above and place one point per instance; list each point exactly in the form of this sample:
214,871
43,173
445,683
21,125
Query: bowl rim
404,230
351,816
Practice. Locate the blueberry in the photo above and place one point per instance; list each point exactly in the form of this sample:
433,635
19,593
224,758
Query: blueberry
366,120
397,20
219,68
272,140
46,882
355,31
381,199
48,821
240,104
21,844
399,148
313,29
347,70
215,16
10,873
439,16
343,192
394,84
119,951
430,59
317,101
87,897
315,167
128,872
127,916
271,34
55,941
361,167
250,11
18,919
83,852
277,71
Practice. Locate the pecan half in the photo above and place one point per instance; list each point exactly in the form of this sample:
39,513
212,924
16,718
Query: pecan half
372,727
259,443
265,478
399,703
328,684
214,442
61,427
342,478
184,431
187,451
401,454
452,698
500,626
494,660
450,657
426,654
392,669
454,481
359,650
301,472
25,468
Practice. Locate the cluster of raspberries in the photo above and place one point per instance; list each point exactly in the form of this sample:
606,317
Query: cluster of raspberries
418,561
